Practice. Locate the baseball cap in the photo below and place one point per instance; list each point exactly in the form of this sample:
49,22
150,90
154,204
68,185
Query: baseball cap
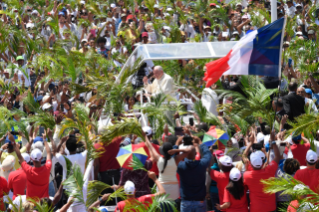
61,13
238,4
287,43
144,34
123,15
38,138
218,154
36,155
34,12
29,25
20,58
147,130
260,137
296,137
299,33
261,154
84,40
226,160
256,160
235,33
311,156
156,6
129,187
308,90
26,157
46,106
311,32
7,166
234,174
113,5
212,5
82,2
38,145
298,5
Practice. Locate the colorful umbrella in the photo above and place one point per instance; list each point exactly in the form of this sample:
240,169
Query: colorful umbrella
214,135
129,154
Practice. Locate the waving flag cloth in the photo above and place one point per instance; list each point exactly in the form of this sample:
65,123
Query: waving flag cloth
257,53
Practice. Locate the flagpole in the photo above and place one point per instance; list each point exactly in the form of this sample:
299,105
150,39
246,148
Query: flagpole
279,66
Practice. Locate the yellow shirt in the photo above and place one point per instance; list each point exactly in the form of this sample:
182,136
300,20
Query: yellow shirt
17,164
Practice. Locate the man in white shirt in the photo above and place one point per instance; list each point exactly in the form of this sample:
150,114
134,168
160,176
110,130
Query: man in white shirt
290,9
163,83
302,92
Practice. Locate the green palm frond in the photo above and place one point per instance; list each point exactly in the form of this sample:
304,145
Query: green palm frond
30,103
121,128
286,185
74,184
95,189
43,119
137,165
41,207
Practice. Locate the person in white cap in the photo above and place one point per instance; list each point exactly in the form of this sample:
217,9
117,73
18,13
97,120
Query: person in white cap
309,175
222,178
260,201
129,190
235,198
37,176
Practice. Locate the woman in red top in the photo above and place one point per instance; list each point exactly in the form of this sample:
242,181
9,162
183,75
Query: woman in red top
222,178
235,198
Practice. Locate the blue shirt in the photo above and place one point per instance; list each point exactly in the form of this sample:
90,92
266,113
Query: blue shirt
192,175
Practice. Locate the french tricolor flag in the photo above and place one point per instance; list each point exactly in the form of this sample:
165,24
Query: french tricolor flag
257,53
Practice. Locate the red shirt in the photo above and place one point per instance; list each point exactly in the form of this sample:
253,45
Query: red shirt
37,179
17,181
108,159
300,151
309,177
260,201
3,190
156,147
222,180
146,200
293,206
236,205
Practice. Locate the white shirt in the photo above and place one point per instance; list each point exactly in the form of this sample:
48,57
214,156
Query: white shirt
164,85
79,159
313,105
210,100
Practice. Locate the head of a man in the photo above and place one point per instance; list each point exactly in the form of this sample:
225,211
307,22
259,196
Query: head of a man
277,104
36,157
292,87
256,160
311,158
129,189
301,92
71,144
225,163
158,72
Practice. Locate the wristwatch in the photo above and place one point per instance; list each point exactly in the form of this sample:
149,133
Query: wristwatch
273,142
101,200
1,150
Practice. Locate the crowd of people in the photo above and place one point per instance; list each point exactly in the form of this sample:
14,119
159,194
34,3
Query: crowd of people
61,92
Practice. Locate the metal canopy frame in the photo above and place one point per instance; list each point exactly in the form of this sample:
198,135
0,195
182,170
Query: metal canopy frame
177,51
